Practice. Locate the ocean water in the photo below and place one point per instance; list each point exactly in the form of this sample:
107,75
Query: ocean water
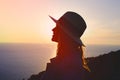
18,61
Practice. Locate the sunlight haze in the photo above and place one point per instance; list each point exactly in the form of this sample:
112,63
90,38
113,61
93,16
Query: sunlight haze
27,21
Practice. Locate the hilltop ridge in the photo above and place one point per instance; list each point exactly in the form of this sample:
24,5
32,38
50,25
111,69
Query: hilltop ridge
103,67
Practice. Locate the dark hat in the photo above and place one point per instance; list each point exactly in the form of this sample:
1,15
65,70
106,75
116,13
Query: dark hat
73,24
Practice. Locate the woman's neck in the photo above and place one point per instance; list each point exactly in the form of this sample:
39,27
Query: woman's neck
67,49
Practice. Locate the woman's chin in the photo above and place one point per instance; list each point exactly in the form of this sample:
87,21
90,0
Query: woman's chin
54,39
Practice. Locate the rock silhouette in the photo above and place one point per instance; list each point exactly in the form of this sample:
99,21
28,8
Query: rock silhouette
103,67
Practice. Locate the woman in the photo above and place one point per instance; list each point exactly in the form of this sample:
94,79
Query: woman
69,64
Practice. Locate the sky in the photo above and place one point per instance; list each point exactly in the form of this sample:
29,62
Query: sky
27,21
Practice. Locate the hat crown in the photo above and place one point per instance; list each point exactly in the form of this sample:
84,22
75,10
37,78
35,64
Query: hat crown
73,22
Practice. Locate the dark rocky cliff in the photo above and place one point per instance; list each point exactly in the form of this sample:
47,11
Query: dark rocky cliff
103,67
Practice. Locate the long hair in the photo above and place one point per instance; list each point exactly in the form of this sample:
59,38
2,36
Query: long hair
80,50
67,45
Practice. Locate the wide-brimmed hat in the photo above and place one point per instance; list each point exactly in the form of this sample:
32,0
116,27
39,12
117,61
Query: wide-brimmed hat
72,24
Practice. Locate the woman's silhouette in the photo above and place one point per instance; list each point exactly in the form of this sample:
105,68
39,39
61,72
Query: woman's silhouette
69,64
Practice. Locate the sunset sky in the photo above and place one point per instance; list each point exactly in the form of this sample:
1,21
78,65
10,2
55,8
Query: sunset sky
27,21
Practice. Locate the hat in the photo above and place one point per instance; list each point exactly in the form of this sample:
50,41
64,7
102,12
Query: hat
73,24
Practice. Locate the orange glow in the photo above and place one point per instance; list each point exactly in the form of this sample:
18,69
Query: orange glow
28,22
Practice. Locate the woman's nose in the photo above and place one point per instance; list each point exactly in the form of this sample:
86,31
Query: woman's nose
53,29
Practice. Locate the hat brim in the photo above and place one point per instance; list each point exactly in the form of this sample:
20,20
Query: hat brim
53,19
78,40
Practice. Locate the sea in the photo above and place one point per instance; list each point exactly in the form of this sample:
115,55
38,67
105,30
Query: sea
19,61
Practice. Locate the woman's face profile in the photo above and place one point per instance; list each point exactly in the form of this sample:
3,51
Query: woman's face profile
55,33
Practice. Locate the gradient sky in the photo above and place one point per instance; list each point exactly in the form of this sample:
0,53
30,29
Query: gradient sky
27,21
